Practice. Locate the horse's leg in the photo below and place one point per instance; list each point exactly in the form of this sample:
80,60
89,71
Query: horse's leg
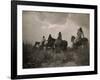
46,47
55,48
58,49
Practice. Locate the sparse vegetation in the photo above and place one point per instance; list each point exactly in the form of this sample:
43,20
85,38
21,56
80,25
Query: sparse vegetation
35,58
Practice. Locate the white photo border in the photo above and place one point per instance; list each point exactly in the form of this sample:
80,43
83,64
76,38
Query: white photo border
21,71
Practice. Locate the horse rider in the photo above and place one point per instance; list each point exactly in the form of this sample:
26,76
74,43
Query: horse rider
59,36
43,41
80,34
50,37
58,42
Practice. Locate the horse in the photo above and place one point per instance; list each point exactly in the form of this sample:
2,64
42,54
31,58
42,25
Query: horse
60,45
50,43
37,44
80,43
45,44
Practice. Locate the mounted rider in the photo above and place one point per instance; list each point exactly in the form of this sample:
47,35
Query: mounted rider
59,36
80,34
50,37
43,41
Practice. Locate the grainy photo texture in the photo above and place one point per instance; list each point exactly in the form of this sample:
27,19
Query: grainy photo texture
55,39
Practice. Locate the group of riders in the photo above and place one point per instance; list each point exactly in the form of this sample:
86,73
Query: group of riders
43,41
60,42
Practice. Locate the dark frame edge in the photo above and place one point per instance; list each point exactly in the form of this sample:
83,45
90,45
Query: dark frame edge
56,75
96,39
53,4
13,40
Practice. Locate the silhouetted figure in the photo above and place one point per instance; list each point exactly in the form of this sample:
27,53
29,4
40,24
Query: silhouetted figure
73,40
60,44
80,34
50,42
43,41
50,37
80,40
59,36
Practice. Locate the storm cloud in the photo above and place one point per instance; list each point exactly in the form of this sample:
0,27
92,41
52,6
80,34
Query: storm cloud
36,24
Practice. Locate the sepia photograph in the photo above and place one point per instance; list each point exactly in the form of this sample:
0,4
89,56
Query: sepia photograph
52,39
55,39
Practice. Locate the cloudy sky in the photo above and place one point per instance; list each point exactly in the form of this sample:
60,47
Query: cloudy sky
36,24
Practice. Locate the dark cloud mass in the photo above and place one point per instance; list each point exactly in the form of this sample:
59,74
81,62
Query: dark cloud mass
54,18
36,24
81,19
